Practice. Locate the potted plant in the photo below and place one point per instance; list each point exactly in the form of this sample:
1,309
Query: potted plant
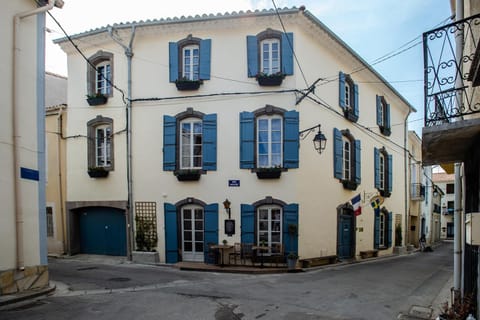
224,241
187,174
269,173
98,172
292,258
96,99
274,79
349,184
187,84
146,241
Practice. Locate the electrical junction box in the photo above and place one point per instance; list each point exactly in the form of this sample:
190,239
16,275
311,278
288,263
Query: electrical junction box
472,228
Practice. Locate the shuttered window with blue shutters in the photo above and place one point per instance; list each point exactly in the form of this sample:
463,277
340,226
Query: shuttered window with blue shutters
249,143
383,167
290,216
171,138
254,54
348,97
382,235
383,115
341,141
176,52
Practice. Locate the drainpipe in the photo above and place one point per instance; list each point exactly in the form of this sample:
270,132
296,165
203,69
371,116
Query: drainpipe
129,54
457,219
406,164
15,131
60,178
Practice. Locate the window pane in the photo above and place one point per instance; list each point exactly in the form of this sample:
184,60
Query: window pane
276,148
199,225
263,225
275,236
187,246
263,148
276,124
276,136
263,124
187,225
276,160
198,214
263,236
187,214
263,214
263,161
199,236
198,246
262,136
187,235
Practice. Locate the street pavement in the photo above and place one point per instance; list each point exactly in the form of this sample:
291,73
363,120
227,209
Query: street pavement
388,288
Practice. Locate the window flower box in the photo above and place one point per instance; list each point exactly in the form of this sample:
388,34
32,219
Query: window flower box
385,131
270,79
348,113
385,193
187,174
269,173
184,84
96,99
98,172
349,184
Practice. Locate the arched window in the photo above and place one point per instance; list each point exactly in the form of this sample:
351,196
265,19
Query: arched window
100,78
100,143
191,143
347,159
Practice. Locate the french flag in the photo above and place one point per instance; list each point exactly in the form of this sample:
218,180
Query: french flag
357,209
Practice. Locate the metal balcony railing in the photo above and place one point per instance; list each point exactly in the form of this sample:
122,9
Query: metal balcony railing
448,93
417,192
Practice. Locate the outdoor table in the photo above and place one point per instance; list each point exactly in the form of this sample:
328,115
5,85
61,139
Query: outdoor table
262,250
222,248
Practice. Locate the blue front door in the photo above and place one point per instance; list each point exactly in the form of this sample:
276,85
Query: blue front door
103,231
345,238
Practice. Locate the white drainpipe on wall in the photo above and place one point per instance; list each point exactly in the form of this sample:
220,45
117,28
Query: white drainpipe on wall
15,93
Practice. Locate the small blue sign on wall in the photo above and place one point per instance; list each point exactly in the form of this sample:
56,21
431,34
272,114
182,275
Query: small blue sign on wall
234,183
29,174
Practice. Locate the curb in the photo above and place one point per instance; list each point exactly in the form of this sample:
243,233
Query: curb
27,295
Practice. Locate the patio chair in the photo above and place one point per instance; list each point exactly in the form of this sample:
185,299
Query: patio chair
237,253
247,253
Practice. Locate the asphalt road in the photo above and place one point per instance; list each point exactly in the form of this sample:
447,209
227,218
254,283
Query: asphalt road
380,289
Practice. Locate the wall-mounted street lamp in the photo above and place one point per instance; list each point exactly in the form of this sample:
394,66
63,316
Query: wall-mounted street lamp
226,205
319,141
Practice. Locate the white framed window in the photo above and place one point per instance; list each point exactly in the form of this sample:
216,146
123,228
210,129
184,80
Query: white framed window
50,229
347,158
191,56
192,233
381,113
103,78
269,141
270,56
191,140
103,142
382,167
348,90
269,225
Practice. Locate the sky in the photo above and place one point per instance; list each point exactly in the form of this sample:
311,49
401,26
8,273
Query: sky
372,28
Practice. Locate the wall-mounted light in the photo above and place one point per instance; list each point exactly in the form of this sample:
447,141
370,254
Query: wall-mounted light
226,205
319,141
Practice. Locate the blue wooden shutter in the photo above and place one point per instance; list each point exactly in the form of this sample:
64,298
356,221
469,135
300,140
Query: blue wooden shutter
379,111
390,173
287,53
341,89
290,139
169,143
358,160
387,116
389,235
247,222
356,107
173,61
209,142
252,56
376,229
171,239
337,154
211,228
290,216
205,59
247,140
376,153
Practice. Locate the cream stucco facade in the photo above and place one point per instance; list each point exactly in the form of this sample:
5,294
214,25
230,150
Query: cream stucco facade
309,189
23,247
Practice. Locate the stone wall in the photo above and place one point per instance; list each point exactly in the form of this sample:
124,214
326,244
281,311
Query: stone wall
31,278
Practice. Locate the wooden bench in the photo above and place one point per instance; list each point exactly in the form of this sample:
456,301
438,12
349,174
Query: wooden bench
319,261
368,254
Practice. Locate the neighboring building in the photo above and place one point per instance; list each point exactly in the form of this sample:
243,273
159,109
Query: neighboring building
240,132
446,182
55,106
416,183
452,122
23,245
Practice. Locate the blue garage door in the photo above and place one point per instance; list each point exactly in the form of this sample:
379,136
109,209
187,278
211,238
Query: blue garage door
103,231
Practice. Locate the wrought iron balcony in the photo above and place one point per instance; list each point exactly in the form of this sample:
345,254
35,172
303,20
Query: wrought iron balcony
417,192
450,79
